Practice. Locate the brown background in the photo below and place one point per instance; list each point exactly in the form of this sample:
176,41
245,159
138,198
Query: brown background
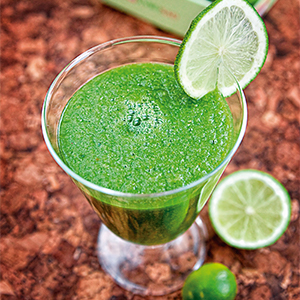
48,230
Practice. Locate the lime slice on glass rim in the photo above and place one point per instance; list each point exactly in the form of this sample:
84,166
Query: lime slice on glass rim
226,37
250,209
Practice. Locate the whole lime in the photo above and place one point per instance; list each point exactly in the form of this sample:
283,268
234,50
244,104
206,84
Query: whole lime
212,281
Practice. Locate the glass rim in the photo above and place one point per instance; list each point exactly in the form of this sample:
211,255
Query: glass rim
102,46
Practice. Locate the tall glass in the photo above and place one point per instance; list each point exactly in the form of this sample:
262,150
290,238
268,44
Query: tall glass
148,243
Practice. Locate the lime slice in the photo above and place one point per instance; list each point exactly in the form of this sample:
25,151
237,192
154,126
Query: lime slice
228,37
250,209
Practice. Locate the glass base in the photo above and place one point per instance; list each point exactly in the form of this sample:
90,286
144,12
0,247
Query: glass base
152,270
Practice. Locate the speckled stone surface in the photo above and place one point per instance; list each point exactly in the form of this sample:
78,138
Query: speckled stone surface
48,229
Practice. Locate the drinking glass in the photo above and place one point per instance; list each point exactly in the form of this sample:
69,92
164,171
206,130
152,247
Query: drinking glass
148,243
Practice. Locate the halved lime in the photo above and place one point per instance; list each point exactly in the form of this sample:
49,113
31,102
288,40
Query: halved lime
250,209
228,37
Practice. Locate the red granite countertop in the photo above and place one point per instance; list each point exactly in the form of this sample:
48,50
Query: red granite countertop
49,231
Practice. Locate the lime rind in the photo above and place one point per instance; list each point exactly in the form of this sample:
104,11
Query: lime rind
227,35
231,215
210,281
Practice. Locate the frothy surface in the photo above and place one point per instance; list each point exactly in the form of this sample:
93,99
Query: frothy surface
134,130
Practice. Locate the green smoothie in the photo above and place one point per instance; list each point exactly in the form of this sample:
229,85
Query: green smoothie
132,129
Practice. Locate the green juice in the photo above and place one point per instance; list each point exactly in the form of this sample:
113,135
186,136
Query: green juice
132,129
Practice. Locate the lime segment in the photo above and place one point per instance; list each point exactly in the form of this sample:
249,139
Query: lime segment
250,209
228,37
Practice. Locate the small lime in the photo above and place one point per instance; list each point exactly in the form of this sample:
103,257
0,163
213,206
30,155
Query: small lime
212,281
